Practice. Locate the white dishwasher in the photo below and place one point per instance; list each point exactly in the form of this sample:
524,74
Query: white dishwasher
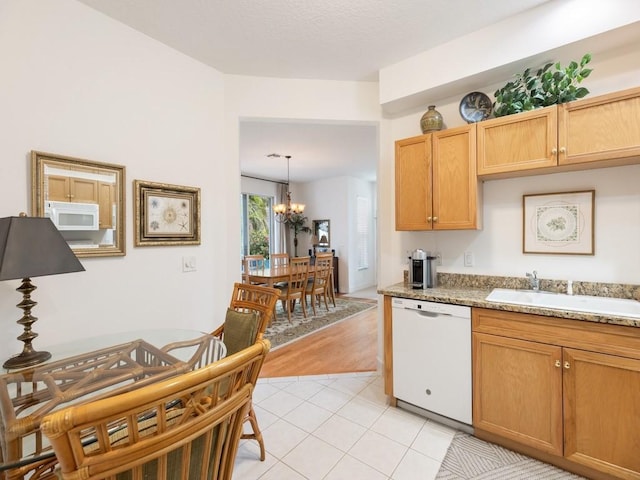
432,357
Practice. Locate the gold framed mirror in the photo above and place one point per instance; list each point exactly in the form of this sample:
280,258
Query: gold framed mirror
84,199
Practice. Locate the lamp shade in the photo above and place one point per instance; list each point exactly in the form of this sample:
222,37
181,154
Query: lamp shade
33,247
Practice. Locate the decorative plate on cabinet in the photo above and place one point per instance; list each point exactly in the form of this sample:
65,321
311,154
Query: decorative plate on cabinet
475,107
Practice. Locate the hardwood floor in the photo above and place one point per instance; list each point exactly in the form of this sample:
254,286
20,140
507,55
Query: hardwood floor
348,346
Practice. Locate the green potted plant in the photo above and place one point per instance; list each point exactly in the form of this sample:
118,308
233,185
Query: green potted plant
298,223
548,86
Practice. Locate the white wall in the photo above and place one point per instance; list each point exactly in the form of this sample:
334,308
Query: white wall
545,33
77,83
335,199
307,100
498,246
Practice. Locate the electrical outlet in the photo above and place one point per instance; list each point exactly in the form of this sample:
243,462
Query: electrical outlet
188,264
438,256
468,259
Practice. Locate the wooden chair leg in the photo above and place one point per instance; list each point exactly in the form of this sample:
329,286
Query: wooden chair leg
324,296
257,434
331,289
313,303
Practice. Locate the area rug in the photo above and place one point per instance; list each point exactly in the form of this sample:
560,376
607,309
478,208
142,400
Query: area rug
471,458
281,331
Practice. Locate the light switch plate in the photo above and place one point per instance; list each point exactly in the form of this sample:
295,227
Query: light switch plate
188,264
468,259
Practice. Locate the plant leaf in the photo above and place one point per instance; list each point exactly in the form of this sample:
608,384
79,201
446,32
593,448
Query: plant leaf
581,92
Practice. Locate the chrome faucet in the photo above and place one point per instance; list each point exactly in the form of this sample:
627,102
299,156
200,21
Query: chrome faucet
534,281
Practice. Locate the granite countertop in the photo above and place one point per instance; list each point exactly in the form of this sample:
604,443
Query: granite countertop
473,294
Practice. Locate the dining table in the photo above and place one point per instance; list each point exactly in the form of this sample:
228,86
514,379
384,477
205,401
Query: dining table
82,371
273,275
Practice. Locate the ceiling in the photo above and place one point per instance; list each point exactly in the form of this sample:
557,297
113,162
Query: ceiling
307,39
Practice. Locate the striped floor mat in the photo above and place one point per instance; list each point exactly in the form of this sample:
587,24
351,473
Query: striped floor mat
471,458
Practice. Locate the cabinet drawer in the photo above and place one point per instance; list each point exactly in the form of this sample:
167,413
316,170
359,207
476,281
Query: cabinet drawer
597,337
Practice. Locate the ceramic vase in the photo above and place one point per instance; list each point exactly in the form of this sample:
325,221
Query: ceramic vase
431,121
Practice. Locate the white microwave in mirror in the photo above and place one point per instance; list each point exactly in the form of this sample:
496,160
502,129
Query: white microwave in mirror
72,216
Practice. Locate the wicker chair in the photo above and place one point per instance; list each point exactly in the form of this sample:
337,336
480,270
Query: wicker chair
185,427
248,329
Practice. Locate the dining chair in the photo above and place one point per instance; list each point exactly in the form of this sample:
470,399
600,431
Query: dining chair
252,263
184,427
279,259
250,312
317,285
296,285
330,284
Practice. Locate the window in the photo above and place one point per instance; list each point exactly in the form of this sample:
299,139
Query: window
362,231
257,224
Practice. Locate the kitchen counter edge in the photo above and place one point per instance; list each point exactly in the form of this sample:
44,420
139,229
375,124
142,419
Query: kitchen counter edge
475,297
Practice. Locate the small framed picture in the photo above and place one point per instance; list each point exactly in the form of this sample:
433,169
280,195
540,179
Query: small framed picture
166,214
561,223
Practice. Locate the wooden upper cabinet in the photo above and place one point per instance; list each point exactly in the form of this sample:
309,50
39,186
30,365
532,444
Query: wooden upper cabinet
72,189
436,182
413,183
520,142
596,132
455,182
603,128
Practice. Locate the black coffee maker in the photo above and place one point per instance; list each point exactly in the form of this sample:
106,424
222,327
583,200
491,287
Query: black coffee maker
422,270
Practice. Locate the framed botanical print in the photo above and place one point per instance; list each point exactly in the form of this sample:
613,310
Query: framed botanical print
560,223
166,214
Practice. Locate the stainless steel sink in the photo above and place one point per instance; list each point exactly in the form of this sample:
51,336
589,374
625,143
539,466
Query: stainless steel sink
619,307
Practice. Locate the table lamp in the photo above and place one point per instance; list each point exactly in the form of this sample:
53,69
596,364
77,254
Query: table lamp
32,247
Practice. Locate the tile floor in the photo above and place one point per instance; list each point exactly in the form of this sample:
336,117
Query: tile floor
338,427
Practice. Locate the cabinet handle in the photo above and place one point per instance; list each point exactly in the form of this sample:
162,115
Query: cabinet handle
558,364
563,150
435,219
554,151
429,219
567,365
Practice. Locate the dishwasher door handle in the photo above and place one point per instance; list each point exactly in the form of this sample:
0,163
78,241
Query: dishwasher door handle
426,313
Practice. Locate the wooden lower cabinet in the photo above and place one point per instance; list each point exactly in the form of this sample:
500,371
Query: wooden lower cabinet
602,412
106,202
565,391
518,391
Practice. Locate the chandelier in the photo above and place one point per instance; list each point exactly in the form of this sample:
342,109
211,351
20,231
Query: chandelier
284,212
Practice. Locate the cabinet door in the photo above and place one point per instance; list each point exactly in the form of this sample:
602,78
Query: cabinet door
413,183
83,190
58,188
602,423
455,183
606,127
106,203
520,142
517,390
